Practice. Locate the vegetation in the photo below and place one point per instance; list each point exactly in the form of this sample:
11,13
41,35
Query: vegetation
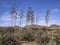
38,35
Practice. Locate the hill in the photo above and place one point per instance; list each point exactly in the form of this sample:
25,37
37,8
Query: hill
51,27
30,33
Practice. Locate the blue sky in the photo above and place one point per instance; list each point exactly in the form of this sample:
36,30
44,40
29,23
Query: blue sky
38,6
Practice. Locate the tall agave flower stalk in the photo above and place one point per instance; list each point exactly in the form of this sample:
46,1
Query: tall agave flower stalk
13,15
30,16
47,16
21,17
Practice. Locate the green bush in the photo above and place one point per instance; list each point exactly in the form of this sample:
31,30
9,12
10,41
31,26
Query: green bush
26,35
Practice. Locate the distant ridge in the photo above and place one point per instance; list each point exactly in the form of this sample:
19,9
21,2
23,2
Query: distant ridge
54,27
34,26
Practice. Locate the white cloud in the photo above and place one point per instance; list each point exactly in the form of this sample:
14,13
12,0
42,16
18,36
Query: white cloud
5,24
6,17
54,21
55,10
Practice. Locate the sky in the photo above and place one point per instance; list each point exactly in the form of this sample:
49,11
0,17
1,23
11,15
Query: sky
38,6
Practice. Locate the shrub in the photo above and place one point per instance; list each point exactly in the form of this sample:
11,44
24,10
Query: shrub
26,35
